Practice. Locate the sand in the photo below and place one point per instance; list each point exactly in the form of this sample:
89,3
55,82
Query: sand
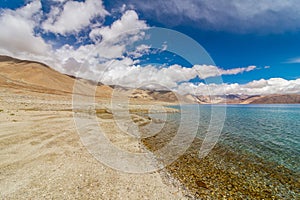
42,156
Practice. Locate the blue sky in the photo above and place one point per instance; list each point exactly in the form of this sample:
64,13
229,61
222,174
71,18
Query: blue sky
260,47
254,44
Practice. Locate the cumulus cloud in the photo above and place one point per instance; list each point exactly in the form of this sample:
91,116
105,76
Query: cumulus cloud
109,43
122,73
257,87
112,40
140,51
129,24
229,15
73,16
17,36
127,73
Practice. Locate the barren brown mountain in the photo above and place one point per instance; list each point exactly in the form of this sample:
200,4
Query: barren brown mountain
38,77
278,99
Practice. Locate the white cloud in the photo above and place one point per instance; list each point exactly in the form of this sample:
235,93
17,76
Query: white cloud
125,72
74,16
293,60
109,42
60,1
17,35
140,50
128,27
257,87
206,71
18,38
230,15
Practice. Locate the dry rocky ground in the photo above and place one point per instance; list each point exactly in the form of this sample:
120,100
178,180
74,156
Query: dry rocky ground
42,156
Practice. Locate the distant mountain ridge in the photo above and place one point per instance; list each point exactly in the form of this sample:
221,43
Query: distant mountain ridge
250,99
278,99
38,77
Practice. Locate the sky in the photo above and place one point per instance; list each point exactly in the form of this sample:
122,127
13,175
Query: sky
195,47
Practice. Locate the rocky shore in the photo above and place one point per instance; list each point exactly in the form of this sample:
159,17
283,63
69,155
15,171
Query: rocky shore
226,174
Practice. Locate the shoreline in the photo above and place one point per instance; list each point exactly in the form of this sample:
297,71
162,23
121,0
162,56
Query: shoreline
42,155
41,152
225,173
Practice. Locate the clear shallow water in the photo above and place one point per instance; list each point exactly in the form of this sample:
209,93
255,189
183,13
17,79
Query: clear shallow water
271,132
256,155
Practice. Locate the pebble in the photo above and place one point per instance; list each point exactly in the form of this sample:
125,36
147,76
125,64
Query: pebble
246,179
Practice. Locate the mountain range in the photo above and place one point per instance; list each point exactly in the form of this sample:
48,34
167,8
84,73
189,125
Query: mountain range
33,76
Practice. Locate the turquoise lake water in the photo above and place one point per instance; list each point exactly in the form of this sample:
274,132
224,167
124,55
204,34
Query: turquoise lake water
270,132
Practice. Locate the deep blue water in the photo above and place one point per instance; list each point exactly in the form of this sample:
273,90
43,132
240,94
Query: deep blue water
271,132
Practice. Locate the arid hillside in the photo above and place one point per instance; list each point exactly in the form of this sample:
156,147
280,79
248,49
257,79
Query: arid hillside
278,99
24,75
31,76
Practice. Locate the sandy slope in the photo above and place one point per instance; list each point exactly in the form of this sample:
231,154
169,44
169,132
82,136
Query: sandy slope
37,77
42,156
